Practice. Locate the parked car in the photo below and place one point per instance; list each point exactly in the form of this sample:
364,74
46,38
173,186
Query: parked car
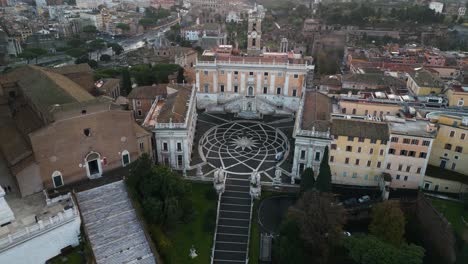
350,201
364,199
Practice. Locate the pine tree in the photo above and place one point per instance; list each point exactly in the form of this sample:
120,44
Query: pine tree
323,183
307,180
126,81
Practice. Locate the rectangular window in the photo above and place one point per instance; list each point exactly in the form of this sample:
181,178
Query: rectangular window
179,161
406,141
222,72
206,88
278,91
301,167
418,170
294,92
373,141
453,166
462,136
448,146
138,102
403,152
426,143
265,74
414,142
317,156
333,146
423,155
332,158
221,88
359,149
165,146
458,149
205,73
350,138
389,165
236,89
251,73
371,151
452,133
265,90
346,161
406,178
125,159
58,181
412,153
381,152
179,146
357,162
303,154
142,146
398,176
408,168
349,148
369,163
400,167
236,73
391,151
379,164
296,76
361,139
354,174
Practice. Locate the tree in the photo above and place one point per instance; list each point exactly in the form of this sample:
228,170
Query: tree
76,52
116,48
105,57
323,183
32,53
307,180
388,222
368,249
289,246
126,81
180,75
123,26
163,194
321,221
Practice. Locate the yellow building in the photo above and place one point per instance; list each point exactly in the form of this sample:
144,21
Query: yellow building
458,96
364,107
423,82
358,151
450,148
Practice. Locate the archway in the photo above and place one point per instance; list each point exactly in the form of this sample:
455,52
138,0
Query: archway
250,91
93,165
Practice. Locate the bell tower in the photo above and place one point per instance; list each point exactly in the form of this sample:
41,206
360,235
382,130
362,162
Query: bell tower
254,33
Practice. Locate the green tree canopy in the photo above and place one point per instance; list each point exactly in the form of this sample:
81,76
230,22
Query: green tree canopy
90,29
307,180
368,249
323,183
105,57
123,26
388,222
321,221
289,246
32,53
116,48
126,81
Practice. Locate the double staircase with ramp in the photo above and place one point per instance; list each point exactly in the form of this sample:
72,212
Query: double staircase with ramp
232,233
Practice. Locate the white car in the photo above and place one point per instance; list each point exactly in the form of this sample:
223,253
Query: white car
363,199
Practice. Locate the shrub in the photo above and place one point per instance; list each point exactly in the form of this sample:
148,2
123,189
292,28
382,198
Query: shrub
211,194
209,221
163,243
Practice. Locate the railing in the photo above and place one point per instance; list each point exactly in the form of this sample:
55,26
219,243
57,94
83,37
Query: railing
250,227
259,62
216,228
38,228
170,125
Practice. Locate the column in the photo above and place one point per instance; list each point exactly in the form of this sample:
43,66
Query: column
286,85
229,82
259,83
242,83
272,84
198,81
215,82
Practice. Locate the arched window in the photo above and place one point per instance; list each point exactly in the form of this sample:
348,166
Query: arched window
93,162
57,179
125,158
251,91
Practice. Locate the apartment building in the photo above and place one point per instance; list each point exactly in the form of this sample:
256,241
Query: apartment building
374,105
271,83
358,151
408,153
423,82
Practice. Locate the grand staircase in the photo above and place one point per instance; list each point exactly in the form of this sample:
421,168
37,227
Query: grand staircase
233,224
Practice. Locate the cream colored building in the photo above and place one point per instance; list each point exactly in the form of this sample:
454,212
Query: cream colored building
458,96
408,153
268,84
423,82
358,151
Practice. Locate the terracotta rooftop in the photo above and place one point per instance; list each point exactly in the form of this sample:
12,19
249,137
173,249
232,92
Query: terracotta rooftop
68,69
317,109
176,106
148,92
374,79
360,128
